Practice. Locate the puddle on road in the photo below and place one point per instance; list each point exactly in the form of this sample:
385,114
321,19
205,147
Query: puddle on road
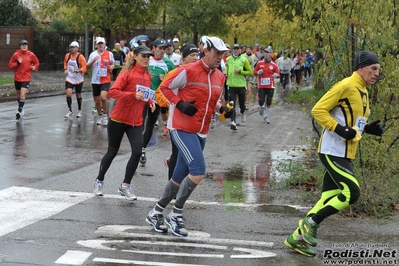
248,184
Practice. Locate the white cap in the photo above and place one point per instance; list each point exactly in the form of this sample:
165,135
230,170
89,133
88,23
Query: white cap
269,49
175,40
100,39
203,39
215,42
74,44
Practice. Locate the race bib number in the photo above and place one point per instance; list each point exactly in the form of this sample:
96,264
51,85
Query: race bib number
361,123
102,72
148,93
265,81
117,62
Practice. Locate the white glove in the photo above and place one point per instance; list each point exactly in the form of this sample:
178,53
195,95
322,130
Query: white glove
260,72
275,75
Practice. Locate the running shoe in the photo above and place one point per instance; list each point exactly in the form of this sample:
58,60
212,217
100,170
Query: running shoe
94,110
176,225
98,187
104,120
99,120
69,114
243,117
308,231
18,115
79,114
233,126
127,193
165,131
156,221
266,119
143,159
299,246
213,123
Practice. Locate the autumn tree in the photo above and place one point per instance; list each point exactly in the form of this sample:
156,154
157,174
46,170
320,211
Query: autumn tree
205,17
105,16
14,13
342,29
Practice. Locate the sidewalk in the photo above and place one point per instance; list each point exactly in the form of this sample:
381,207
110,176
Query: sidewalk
43,83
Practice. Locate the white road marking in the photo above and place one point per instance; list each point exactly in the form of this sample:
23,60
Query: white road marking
137,262
73,257
195,239
22,206
193,236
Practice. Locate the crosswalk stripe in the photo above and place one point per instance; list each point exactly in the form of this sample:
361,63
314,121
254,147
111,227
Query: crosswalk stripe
22,206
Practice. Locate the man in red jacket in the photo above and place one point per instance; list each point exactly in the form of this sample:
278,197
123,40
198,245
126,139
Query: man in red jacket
267,71
23,62
194,92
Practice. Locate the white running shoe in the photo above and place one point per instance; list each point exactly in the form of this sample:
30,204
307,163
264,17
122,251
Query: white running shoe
98,120
127,193
104,120
233,126
243,117
266,119
69,114
79,114
98,187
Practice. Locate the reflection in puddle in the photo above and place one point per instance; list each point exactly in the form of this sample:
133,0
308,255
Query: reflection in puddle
247,184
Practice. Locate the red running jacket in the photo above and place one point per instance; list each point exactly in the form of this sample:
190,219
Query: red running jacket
193,82
128,109
23,71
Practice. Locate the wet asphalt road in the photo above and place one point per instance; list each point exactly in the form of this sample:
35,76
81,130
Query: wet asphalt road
50,217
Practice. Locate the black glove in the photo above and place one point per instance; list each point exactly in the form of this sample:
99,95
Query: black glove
374,128
346,132
229,112
187,107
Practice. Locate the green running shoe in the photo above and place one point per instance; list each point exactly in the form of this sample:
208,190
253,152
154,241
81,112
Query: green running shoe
299,246
308,231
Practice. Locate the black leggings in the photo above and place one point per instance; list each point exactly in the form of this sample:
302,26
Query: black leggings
340,188
284,78
297,73
115,134
265,95
233,92
152,118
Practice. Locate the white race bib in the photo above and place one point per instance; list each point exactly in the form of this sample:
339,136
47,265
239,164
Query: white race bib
102,72
148,93
117,62
361,123
265,81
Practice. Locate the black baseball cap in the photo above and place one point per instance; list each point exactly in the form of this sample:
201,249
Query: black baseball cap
142,50
23,42
188,49
160,43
